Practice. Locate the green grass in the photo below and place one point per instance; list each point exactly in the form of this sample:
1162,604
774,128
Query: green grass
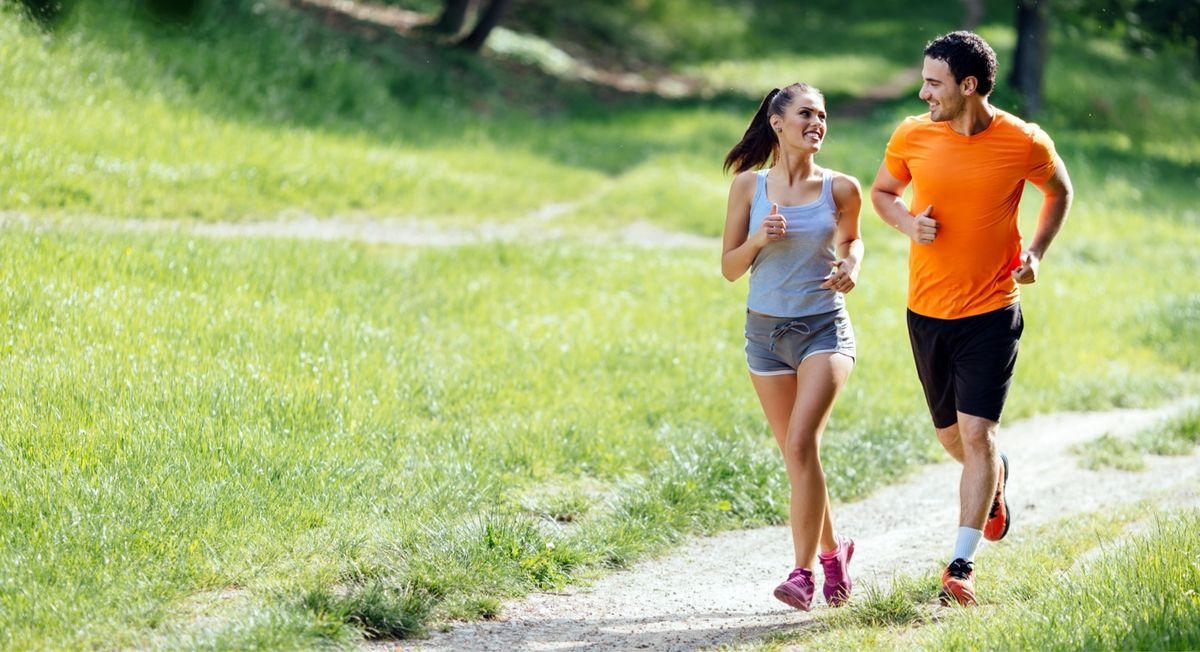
187,416
1175,436
286,444
1110,451
363,437
276,114
253,115
1137,596
1081,584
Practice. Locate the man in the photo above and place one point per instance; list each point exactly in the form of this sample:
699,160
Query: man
968,162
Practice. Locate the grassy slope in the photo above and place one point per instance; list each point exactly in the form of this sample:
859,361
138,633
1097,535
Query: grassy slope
296,423
280,113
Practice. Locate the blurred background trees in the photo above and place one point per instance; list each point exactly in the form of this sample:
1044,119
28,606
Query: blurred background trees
1146,25
633,34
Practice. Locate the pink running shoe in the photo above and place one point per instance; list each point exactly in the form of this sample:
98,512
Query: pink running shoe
837,572
797,591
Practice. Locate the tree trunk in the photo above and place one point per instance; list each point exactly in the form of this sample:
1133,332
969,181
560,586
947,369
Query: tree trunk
488,20
1029,61
453,16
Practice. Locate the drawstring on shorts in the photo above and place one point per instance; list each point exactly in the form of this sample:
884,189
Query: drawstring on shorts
794,326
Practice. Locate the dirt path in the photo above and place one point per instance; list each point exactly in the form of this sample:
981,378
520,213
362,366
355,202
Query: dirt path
717,590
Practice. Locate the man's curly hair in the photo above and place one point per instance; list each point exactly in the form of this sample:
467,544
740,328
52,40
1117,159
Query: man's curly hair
968,55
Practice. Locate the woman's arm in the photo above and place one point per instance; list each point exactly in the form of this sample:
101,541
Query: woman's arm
739,251
848,244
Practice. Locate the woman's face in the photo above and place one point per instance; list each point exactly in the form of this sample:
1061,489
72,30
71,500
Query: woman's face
802,124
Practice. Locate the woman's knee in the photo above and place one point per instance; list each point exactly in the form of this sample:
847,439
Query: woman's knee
803,449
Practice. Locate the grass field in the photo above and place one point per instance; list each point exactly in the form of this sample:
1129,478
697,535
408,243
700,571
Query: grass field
1177,436
1114,581
279,443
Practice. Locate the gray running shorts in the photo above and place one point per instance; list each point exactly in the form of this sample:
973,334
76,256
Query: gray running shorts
777,345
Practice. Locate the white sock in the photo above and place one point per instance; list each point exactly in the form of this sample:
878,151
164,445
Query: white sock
967,543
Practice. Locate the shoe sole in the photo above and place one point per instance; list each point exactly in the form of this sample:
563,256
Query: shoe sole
1004,490
1003,499
791,601
948,600
849,582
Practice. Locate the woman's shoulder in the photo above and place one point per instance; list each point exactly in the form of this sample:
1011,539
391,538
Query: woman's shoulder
844,185
746,177
745,183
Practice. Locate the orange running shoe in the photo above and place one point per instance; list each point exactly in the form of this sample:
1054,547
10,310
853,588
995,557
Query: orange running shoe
958,583
999,518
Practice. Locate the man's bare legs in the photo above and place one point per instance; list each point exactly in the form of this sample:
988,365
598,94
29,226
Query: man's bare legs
972,441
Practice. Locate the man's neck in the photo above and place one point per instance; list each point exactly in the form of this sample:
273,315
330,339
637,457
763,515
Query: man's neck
976,117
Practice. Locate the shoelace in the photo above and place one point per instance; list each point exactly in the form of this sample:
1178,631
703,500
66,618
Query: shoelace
794,326
960,569
798,573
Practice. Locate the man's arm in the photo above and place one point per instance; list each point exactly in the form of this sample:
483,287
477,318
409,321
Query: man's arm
1056,202
887,196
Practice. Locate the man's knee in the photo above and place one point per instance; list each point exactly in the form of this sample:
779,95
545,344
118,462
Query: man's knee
977,434
948,436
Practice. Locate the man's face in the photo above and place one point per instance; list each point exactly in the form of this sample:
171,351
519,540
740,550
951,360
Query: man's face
943,94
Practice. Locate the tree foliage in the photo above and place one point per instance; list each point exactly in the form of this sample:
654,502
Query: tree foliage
45,12
48,13
1145,25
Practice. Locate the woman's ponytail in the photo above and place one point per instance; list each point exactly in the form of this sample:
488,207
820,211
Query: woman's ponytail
759,142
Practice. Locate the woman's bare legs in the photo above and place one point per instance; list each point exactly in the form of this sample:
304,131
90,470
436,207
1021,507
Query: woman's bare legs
797,408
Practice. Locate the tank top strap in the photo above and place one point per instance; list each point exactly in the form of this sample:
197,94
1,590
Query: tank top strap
827,189
760,188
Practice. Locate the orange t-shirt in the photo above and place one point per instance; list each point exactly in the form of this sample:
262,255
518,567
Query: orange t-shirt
975,185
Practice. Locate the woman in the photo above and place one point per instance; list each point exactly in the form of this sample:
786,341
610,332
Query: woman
795,226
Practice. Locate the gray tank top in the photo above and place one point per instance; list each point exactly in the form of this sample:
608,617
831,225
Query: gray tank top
786,276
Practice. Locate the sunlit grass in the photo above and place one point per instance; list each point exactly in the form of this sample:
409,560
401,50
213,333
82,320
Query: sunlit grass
292,417
1081,584
1140,595
834,74
105,116
186,415
82,133
356,439
1175,436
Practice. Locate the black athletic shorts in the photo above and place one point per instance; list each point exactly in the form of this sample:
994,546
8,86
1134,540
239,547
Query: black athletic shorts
966,365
